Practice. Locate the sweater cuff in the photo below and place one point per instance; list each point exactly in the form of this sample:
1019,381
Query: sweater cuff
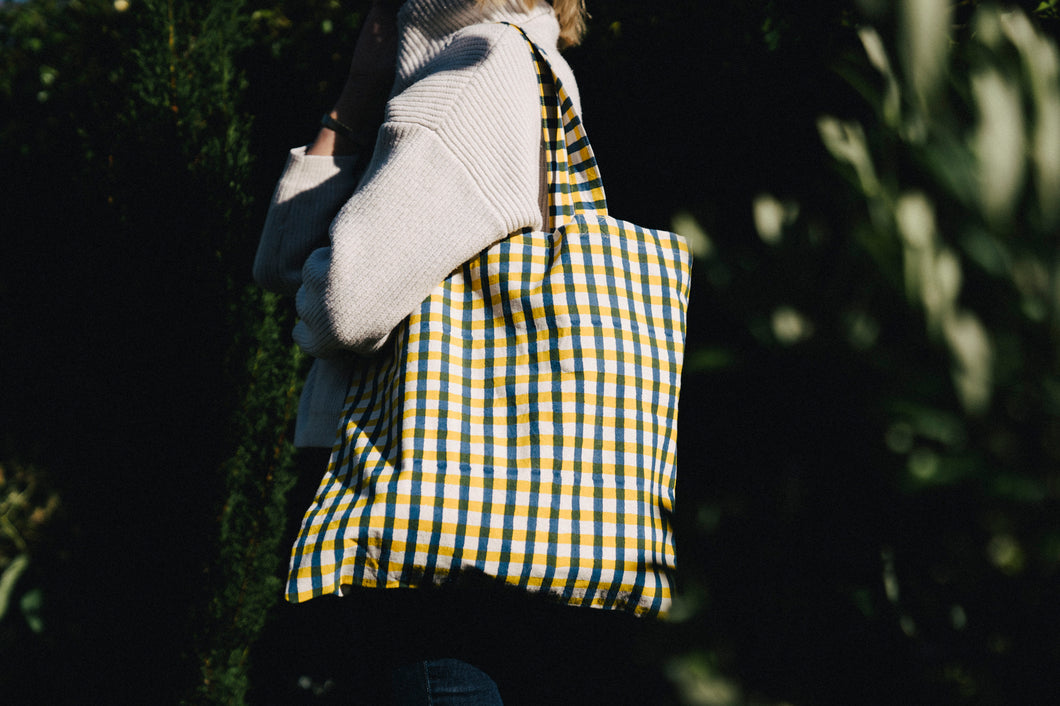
327,174
310,192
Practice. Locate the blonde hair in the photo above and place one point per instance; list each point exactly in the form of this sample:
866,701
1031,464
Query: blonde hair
570,13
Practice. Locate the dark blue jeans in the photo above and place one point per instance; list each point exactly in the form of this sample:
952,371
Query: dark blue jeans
443,682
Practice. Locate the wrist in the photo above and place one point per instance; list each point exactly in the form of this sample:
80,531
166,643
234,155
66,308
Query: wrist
359,138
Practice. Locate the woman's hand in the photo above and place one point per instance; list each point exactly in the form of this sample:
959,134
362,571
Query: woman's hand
363,98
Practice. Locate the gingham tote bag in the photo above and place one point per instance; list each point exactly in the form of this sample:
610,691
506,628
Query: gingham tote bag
523,425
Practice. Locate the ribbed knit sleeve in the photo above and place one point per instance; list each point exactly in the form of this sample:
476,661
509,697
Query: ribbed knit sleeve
306,199
457,167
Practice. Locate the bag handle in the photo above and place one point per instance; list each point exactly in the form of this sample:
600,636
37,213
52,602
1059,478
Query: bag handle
574,188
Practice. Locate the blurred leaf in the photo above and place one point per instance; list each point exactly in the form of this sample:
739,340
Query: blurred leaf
9,580
32,604
924,28
708,359
700,684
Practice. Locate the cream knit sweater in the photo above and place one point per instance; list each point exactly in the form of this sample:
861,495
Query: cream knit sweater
458,164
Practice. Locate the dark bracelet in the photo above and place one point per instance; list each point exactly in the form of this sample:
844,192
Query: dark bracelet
361,139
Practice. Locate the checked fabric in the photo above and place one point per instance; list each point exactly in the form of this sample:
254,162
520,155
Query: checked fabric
523,424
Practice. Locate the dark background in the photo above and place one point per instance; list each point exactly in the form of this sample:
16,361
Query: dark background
851,528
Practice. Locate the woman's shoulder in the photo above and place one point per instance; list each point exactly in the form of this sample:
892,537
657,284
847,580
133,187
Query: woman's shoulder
483,67
494,33
482,49
501,53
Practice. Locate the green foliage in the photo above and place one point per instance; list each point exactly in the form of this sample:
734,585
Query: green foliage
1048,8
190,92
960,180
870,430
258,476
29,509
915,296
131,117
34,531
973,203
188,89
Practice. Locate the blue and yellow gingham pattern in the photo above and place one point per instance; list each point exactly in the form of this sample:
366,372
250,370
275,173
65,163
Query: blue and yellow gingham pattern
524,424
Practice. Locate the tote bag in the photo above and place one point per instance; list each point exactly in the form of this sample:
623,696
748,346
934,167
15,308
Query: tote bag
523,424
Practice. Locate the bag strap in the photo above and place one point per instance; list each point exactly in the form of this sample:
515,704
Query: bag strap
575,187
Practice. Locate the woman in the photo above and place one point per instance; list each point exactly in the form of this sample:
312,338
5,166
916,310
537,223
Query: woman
462,128
364,223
